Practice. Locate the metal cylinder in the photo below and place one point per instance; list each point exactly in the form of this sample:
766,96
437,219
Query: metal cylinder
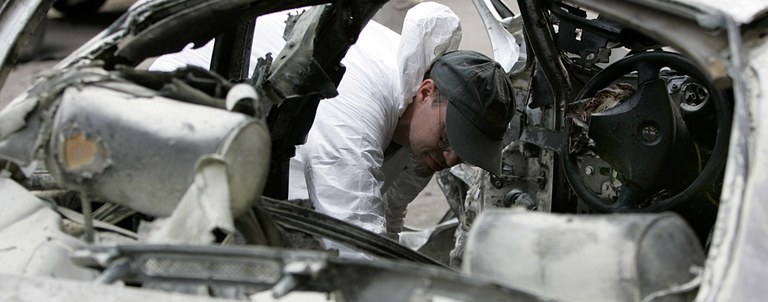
131,147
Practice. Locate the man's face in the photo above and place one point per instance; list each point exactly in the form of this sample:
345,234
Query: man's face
430,148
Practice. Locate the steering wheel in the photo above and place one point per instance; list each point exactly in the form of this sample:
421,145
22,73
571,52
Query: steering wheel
641,136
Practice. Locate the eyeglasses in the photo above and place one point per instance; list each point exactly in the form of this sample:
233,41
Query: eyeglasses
443,142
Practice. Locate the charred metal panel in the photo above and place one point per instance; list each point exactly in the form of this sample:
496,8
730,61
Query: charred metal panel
585,37
538,30
696,31
166,26
232,50
160,33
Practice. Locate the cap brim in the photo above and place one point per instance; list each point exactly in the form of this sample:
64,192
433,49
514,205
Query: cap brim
470,144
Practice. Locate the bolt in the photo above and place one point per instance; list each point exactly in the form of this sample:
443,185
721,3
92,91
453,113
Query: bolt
649,133
589,170
694,94
498,184
605,187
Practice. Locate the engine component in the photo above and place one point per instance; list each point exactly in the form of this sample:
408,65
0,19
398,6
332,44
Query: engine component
115,145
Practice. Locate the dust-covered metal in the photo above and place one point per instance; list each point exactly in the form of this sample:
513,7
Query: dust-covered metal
503,35
261,268
144,145
628,258
115,142
33,239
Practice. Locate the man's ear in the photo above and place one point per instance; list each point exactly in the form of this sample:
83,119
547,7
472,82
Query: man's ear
426,89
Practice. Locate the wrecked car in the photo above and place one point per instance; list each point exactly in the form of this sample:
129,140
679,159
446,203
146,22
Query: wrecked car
631,172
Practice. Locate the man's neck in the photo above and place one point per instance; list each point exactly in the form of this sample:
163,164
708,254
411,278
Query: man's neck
403,128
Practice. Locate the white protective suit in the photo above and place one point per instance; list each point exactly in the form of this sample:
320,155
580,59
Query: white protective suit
342,168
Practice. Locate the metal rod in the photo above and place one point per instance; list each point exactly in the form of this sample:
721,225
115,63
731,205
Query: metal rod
85,200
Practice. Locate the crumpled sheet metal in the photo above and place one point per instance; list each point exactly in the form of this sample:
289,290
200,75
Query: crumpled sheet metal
140,152
199,212
13,117
20,123
26,121
31,239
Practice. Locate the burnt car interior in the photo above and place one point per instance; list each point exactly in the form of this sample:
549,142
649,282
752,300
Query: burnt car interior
648,133
616,118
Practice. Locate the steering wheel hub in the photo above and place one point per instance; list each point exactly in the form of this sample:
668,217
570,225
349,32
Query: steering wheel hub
649,133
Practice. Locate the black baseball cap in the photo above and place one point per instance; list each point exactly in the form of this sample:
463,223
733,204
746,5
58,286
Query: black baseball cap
480,105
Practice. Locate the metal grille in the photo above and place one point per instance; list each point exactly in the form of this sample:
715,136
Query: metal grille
242,270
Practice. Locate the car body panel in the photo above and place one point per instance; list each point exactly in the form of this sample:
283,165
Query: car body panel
735,265
18,22
724,37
